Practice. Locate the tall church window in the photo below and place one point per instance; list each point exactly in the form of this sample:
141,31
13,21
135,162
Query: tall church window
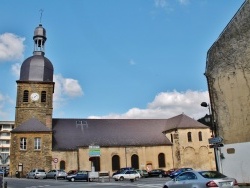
135,161
43,96
161,160
115,162
200,135
189,135
62,165
25,96
37,143
23,143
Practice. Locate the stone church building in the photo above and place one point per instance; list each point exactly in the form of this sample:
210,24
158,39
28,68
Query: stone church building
40,141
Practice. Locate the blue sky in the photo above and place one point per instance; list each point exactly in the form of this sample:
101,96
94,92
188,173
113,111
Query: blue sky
115,58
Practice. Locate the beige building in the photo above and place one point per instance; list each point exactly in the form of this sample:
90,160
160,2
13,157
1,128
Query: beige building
40,141
5,128
228,77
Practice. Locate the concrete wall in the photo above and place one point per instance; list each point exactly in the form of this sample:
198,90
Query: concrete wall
235,162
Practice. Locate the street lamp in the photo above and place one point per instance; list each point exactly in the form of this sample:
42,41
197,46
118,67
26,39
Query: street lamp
209,118
214,132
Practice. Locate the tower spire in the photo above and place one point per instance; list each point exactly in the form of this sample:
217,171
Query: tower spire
41,15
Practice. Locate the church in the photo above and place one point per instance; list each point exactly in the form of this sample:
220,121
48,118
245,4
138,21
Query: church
40,141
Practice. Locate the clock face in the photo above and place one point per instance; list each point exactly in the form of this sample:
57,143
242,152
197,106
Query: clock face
34,96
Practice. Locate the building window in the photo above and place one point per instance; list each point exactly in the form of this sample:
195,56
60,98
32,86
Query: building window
200,136
135,161
172,139
23,144
5,149
43,96
161,160
26,96
189,135
4,142
115,162
37,143
5,134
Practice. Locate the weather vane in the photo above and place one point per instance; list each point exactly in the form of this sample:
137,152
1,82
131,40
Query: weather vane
41,10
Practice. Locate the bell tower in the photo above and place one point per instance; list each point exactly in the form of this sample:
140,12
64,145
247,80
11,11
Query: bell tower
31,138
35,87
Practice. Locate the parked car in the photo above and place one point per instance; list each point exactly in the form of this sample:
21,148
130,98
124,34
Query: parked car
72,172
178,171
122,169
4,172
168,172
80,175
157,173
127,174
56,174
36,173
143,173
201,179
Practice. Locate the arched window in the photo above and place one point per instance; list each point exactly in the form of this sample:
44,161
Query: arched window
62,165
115,162
189,135
161,160
25,96
43,96
135,161
200,136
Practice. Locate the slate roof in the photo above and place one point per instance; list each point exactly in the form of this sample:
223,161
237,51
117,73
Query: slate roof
37,68
183,122
32,125
69,134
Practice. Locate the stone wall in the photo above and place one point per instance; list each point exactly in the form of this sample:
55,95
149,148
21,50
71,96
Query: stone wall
37,109
147,155
195,154
30,158
228,76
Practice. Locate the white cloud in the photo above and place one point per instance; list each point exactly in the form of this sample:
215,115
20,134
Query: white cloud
169,104
64,88
11,47
15,69
72,88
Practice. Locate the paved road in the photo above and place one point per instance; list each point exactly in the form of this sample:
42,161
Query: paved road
45,183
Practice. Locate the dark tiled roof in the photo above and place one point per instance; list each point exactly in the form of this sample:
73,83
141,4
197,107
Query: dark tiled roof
68,134
183,122
32,125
